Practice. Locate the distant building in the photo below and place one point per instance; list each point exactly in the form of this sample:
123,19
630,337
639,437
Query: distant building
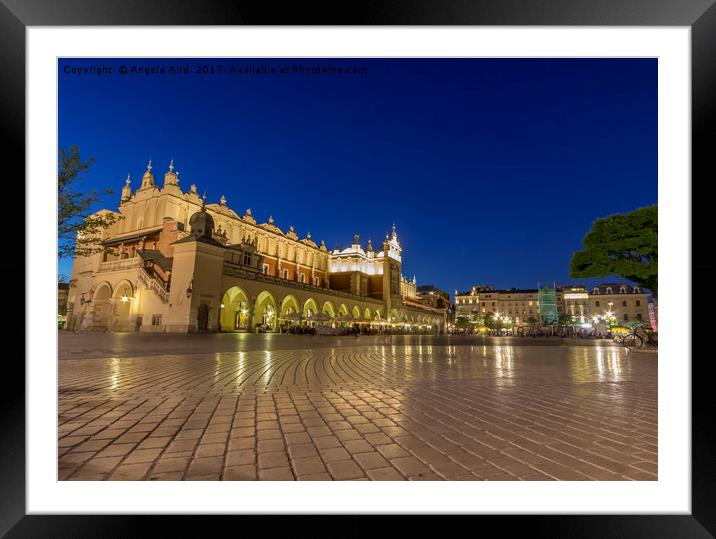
520,305
626,303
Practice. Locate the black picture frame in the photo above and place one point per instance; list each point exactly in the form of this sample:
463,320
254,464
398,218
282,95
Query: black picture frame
699,15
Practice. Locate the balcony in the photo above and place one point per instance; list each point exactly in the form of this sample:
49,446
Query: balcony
114,265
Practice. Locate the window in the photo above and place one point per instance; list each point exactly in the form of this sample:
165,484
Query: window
301,278
316,281
622,290
285,274
595,291
609,290
596,303
638,316
637,290
493,304
638,303
483,303
247,259
624,303
626,317
156,319
266,269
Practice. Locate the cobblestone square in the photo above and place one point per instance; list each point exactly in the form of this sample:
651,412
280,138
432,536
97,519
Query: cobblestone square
282,407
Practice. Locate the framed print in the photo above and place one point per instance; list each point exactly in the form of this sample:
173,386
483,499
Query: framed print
400,263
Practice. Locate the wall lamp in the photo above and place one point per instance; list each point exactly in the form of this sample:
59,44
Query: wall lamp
189,290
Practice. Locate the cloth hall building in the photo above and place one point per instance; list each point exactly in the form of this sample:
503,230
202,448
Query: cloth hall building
173,263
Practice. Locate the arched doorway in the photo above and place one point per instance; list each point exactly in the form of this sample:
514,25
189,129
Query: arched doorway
122,306
356,312
290,317
265,311
235,310
102,307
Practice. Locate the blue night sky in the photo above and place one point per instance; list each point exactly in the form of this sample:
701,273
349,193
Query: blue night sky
492,169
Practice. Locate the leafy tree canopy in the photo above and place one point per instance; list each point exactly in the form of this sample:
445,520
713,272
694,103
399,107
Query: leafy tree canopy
78,227
624,245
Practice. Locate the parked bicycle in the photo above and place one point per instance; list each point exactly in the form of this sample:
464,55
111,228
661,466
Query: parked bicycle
640,336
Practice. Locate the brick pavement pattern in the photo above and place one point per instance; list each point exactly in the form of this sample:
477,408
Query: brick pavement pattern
254,407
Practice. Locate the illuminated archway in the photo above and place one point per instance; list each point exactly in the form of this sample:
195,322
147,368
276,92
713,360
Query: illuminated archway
290,304
102,306
342,309
366,314
265,310
310,308
356,312
122,297
235,305
329,309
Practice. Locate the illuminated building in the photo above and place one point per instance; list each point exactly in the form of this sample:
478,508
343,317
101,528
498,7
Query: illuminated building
178,265
622,302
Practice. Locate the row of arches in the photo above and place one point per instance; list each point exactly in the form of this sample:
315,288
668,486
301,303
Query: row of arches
239,312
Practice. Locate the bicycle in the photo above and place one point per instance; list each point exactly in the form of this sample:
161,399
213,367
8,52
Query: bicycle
639,339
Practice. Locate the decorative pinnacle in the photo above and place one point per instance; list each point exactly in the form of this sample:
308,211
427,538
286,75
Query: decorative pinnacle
171,166
248,211
308,235
127,181
149,166
270,219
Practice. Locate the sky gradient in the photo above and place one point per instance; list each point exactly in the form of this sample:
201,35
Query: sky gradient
492,169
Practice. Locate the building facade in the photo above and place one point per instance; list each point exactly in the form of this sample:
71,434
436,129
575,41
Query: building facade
176,264
623,302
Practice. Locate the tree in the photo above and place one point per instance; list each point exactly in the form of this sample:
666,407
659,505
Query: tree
624,245
462,322
77,225
565,320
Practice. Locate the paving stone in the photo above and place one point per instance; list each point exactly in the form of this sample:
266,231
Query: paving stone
334,453
273,460
344,469
308,466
